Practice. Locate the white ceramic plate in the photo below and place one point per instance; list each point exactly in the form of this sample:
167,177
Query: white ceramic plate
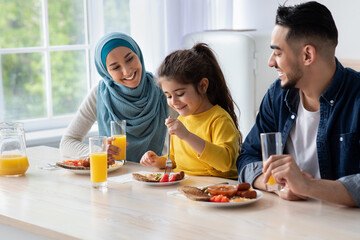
87,172
217,204
232,204
161,183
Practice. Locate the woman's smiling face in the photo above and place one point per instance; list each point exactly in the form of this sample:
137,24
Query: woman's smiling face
124,67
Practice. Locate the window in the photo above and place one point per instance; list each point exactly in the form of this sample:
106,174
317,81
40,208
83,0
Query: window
46,56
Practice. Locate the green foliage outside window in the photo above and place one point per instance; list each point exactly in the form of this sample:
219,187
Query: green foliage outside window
69,84
20,23
66,22
23,84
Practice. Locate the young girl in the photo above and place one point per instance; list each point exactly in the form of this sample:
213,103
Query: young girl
205,137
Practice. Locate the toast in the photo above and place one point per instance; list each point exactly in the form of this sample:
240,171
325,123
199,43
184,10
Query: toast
69,166
143,178
194,193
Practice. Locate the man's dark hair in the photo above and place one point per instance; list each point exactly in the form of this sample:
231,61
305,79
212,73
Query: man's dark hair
310,21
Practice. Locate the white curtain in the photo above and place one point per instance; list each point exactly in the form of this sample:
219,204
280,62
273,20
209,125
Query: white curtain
158,26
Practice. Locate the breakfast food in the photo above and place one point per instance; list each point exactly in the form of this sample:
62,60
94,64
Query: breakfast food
159,177
222,193
243,186
249,194
194,193
79,164
228,191
177,176
143,178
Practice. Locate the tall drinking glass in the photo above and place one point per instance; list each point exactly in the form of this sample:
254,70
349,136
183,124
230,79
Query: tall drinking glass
98,161
13,158
271,145
118,131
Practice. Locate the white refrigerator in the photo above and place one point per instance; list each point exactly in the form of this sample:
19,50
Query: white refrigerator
235,51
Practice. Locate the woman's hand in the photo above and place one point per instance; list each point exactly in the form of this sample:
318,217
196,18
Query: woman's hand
112,150
150,159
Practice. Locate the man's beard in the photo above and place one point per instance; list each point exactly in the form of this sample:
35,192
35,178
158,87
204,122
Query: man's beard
292,79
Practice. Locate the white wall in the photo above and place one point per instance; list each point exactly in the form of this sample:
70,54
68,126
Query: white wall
260,14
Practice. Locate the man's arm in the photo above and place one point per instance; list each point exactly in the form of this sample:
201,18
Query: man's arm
287,173
249,162
330,191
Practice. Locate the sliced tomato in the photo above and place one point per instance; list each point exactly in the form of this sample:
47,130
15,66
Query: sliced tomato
218,198
172,178
165,178
224,199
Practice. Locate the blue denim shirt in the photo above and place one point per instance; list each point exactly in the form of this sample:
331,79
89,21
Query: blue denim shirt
338,137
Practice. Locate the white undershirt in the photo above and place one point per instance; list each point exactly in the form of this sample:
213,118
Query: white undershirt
301,143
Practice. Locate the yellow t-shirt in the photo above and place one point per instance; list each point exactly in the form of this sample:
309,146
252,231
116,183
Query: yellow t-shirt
221,150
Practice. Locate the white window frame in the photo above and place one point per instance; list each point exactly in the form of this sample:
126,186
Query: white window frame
94,29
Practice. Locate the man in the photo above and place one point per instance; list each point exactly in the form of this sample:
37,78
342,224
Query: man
315,104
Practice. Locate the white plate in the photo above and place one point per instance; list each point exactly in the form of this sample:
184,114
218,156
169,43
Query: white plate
232,204
219,204
87,172
161,183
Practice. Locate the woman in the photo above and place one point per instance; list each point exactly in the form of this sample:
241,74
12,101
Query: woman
126,92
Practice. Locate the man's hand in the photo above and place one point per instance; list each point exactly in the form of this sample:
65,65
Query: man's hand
286,173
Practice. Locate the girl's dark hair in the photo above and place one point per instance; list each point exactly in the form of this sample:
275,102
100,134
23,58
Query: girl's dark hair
309,20
189,66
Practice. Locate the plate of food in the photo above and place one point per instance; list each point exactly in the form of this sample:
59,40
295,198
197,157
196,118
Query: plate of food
159,179
221,195
82,165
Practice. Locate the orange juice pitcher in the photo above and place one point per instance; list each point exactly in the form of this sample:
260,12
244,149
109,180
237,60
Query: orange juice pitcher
13,158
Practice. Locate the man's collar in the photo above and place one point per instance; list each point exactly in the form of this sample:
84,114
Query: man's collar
331,93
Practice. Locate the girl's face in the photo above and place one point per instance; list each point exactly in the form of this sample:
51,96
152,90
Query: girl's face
124,66
184,98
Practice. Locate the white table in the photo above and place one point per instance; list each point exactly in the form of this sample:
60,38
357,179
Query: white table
59,204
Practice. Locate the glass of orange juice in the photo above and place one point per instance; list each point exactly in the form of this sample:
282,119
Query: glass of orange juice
118,131
13,159
98,161
271,145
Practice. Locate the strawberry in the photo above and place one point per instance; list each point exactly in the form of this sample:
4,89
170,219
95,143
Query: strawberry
165,178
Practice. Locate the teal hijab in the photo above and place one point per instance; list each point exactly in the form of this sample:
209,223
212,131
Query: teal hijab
144,107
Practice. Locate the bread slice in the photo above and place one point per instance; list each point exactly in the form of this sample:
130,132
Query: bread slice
194,193
69,166
143,178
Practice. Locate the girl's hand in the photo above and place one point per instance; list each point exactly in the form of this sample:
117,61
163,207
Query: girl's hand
150,159
175,127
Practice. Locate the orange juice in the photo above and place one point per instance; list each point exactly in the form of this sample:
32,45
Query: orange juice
271,180
98,167
120,142
13,164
